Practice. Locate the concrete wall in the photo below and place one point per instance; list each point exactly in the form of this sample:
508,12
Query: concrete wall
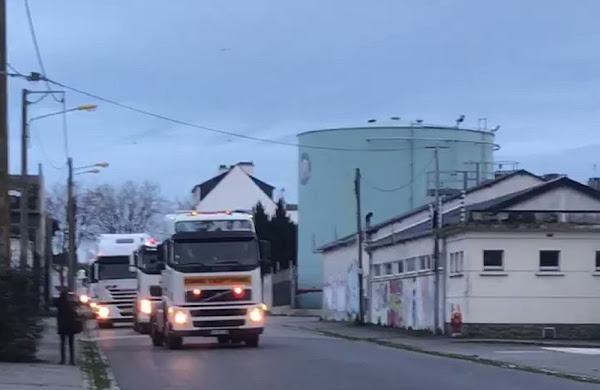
521,293
340,289
406,299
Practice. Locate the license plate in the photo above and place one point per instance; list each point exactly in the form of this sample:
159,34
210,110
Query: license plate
218,332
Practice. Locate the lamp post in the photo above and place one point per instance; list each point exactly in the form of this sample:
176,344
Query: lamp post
72,259
25,123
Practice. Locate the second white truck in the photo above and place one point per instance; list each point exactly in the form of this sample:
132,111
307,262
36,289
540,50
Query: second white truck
112,282
145,260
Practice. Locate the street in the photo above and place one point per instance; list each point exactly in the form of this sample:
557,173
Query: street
294,359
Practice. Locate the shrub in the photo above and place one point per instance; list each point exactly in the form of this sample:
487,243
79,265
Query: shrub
20,326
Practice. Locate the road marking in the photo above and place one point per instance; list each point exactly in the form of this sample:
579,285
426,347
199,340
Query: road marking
580,351
518,351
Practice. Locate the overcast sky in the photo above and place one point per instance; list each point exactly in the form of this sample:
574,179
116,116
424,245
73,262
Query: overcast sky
274,68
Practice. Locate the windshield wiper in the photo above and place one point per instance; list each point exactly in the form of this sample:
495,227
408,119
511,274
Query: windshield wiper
226,262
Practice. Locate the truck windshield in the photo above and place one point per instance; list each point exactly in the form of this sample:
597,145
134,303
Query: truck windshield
213,225
114,267
148,258
215,253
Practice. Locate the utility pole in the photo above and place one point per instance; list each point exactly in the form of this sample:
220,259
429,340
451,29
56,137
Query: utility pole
436,245
71,222
361,303
436,226
24,201
5,253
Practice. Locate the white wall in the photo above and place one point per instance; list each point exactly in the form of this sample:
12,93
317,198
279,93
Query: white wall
236,191
340,283
405,299
522,294
455,294
504,187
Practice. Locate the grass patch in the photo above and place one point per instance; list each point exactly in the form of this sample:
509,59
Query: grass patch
93,366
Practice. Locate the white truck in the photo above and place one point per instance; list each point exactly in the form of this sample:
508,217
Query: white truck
112,282
211,284
145,260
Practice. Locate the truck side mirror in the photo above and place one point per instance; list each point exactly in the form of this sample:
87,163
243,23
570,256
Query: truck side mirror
93,277
155,291
265,250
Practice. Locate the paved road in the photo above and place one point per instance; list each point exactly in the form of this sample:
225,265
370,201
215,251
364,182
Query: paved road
291,359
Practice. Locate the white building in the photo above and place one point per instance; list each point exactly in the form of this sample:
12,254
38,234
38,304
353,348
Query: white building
520,257
236,188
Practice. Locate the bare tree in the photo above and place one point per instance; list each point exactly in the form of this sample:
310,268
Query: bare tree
128,208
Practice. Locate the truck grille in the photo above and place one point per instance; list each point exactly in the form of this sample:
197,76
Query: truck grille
219,323
123,299
218,312
218,296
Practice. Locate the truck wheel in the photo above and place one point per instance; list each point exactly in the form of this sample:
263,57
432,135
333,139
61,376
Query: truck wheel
223,340
136,327
173,341
252,341
105,324
156,336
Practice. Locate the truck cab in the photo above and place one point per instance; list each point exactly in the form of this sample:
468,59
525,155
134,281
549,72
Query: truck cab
211,284
145,260
112,286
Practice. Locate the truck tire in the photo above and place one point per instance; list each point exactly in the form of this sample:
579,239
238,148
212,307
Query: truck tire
156,336
105,324
252,341
173,341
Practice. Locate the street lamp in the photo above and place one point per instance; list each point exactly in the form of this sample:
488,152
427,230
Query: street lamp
83,107
71,213
25,122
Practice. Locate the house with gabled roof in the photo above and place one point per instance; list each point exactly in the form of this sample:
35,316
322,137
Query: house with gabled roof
524,263
236,187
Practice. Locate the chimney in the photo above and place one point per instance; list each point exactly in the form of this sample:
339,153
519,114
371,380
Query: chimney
594,182
247,166
553,176
222,169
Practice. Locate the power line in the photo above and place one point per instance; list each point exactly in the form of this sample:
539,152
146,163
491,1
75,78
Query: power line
37,49
46,157
213,130
424,171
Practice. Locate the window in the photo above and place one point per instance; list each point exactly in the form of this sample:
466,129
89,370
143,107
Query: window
456,262
493,260
452,262
597,260
549,260
459,263
411,265
377,270
401,267
388,269
423,262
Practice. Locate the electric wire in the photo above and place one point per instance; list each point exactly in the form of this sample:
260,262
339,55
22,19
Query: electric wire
403,186
37,50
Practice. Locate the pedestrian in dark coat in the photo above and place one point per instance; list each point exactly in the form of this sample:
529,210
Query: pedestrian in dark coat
67,321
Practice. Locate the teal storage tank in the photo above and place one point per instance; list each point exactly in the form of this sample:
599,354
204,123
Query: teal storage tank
397,168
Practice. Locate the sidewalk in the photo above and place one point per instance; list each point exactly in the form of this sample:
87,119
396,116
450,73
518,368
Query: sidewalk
544,356
45,374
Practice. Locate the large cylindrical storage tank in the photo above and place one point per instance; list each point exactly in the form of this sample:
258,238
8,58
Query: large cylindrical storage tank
397,168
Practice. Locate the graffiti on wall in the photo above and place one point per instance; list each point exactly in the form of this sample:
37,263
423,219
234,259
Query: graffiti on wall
341,295
405,303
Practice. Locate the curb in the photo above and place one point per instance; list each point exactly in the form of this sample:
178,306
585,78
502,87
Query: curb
528,342
88,383
452,355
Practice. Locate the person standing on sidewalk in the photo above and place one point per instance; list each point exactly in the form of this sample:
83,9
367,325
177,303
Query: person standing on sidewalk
68,325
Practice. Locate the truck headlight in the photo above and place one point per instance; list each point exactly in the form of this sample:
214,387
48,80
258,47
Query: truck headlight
93,305
103,312
84,299
256,315
180,318
146,306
